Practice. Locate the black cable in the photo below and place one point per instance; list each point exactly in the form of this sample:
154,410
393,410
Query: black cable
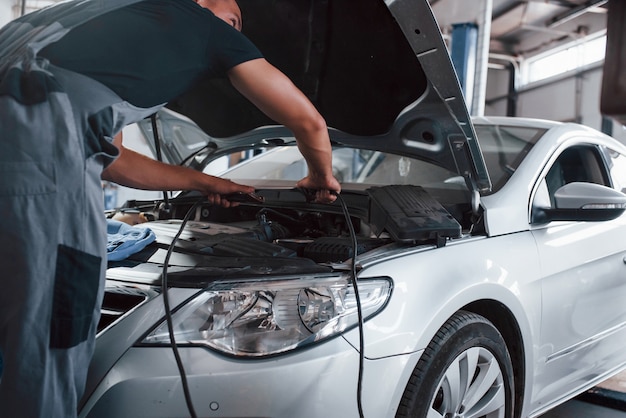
355,247
168,312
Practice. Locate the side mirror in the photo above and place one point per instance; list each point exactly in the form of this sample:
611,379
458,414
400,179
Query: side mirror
579,201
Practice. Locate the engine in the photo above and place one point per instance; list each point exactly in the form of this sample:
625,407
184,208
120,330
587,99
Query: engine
285,234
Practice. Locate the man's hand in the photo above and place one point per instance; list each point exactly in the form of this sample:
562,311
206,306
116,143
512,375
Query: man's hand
324,188
218,189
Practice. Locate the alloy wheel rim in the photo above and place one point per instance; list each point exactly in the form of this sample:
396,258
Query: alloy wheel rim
471,387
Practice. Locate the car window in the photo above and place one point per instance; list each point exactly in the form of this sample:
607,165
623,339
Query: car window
180,138
382,168
617,167
350,165
582,163
504,148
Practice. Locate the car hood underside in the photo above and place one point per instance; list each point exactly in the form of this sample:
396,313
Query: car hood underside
379,72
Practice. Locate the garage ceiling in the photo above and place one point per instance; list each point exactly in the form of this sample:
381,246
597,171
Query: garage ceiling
519,28
523,28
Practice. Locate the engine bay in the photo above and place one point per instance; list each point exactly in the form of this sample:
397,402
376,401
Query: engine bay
283,233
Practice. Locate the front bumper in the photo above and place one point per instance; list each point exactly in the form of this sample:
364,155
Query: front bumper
317,382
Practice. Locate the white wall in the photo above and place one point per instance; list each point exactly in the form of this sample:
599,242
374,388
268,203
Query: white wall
572,98
6,11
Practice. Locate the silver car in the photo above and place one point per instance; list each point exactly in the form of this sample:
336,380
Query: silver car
471,268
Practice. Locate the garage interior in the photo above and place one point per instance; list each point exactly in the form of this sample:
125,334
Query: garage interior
510,34
496,45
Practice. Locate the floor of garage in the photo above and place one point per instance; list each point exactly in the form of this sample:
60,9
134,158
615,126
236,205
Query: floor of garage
580,409
607,400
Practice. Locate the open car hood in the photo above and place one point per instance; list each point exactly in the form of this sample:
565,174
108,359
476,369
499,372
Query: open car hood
377,70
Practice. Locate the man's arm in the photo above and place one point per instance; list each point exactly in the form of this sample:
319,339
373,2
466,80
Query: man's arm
135,170
276,96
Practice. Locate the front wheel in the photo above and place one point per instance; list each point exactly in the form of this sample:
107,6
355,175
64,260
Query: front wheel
465,372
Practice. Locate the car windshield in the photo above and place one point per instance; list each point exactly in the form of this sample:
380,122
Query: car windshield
504,148
350,165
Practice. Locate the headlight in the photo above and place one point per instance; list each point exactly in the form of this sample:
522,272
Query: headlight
263,318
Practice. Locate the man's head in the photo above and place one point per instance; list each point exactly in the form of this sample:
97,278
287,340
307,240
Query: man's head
227,10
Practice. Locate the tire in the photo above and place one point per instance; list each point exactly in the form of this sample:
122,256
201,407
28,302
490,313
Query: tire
465,372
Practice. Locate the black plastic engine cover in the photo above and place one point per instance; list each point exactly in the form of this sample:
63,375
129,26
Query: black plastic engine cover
337,249
409,213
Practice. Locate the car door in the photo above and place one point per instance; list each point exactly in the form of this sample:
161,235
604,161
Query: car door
584,279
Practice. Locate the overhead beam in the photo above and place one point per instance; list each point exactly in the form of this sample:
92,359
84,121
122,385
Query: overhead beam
575,12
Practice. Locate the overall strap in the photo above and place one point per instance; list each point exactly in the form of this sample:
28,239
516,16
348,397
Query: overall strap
22,38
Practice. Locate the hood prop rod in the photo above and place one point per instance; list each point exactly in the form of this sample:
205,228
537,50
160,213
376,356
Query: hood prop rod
165,207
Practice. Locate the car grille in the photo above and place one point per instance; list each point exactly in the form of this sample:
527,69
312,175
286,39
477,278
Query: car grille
118,301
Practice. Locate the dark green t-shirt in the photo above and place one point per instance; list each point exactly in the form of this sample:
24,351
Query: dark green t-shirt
152,51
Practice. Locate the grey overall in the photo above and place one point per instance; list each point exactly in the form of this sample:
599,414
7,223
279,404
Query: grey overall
55,139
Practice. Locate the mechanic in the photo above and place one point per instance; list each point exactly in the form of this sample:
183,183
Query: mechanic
71,77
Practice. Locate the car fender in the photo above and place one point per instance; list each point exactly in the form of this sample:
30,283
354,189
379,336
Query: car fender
429,287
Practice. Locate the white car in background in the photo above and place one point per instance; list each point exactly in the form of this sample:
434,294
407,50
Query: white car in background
489,253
